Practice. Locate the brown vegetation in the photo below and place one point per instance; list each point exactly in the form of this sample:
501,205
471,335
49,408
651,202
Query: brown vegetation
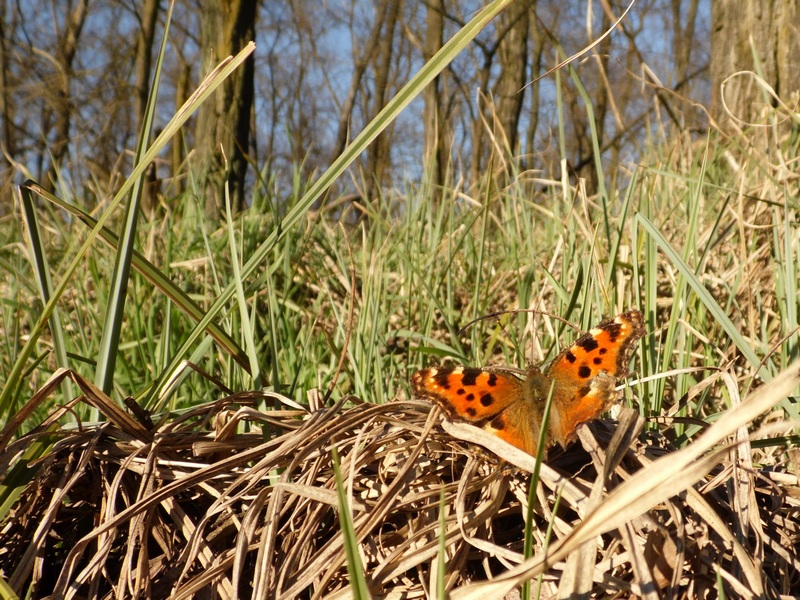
227,498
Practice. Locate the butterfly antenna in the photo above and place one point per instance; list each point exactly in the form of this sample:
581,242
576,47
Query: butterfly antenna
500,313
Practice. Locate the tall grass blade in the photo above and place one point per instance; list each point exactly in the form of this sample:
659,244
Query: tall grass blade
705,297
115,309
441,558
152,274
355,569
42,271
247,325
541,449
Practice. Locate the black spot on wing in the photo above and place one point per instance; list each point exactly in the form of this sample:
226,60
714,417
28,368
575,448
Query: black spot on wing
442,378
588,343
470,397
487,400
492,380
470,376
472,412
570,357
614,330
584,371
597,360
498,424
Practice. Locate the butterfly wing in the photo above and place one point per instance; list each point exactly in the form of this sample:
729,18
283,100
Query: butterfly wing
583,379
485,398
585,375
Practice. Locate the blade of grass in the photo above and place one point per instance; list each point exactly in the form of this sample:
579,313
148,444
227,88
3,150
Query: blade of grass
247,324
596,152
6,593
152,274
613,254
42,271
648,292
19,475
355,569
115,308
441,559
534,483
786,274
705,297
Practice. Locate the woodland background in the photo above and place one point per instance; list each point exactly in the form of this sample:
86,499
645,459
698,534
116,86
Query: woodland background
74,78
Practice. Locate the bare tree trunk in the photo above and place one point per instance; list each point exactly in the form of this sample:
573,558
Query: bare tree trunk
223,122
68,47
144,60
513,59
176,144
6,106
378,154
537,51
510,50
436,140
683,39
774,28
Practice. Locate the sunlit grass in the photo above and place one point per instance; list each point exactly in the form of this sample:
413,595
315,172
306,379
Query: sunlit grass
681,251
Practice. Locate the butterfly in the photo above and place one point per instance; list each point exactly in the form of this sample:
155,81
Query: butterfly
583,378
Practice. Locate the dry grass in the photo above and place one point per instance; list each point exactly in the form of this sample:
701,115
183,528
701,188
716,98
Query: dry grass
225,500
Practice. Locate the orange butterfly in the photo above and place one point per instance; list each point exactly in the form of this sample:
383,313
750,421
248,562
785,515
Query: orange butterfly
583,377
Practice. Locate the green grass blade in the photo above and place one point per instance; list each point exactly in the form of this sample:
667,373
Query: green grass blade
705,296
441,558
42,271
619,234
115,309
6,593
153,275
358,583
247,324
541,449
786,275
596,151
22,472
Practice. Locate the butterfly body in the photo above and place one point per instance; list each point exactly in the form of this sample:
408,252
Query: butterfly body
583,380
